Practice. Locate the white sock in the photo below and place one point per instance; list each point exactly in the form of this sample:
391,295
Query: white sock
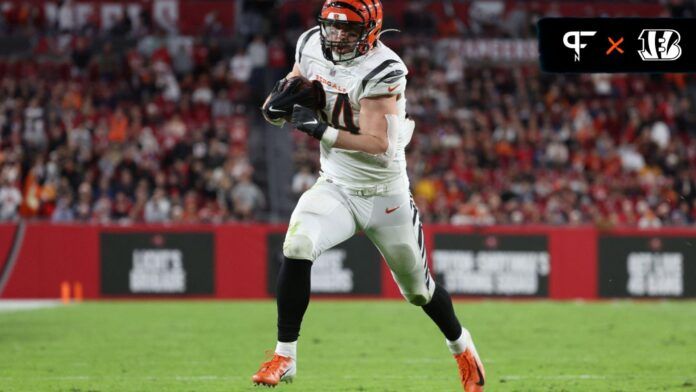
459,346
287,349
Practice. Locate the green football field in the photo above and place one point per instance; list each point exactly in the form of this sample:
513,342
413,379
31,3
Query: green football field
349,346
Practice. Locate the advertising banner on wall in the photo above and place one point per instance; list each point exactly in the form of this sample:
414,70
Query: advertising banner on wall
157,263
645,266
492,265
493,50
351,268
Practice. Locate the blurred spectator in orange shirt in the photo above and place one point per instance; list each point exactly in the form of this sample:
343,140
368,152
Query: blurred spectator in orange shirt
118,126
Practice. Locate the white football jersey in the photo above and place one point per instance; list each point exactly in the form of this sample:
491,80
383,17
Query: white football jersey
379,72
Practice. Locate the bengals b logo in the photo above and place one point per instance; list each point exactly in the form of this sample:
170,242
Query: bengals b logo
660,45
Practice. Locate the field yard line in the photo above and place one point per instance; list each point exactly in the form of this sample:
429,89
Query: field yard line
311,377
23,304
304,376
442,359
558,377
428,360
149,378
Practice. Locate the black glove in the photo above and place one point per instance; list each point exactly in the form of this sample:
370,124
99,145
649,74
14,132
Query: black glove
274,112
306,121
294,91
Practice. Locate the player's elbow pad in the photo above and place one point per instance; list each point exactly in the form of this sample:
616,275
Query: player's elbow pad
394,129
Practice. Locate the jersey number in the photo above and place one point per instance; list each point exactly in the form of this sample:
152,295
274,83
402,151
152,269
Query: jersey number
343,106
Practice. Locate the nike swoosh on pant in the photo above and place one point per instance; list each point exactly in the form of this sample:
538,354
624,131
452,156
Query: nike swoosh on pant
390,210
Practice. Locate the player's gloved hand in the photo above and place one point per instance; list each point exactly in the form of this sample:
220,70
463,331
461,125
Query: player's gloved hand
293,91
275,108
306,121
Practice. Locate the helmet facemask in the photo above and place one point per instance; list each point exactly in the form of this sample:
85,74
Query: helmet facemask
343,41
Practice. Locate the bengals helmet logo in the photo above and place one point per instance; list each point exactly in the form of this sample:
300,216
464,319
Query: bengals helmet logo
660,45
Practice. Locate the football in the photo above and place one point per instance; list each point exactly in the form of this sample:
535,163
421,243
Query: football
296,90
297,84
309,93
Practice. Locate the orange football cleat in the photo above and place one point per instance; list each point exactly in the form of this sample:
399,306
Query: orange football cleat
272,372
471,370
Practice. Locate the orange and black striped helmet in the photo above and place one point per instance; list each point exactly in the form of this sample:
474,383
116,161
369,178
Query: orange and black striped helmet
349,28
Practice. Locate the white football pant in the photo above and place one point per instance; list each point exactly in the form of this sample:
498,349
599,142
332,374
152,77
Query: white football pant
328,214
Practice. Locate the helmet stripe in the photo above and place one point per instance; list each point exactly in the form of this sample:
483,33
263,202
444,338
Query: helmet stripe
368,9
379,12
374,6
341,4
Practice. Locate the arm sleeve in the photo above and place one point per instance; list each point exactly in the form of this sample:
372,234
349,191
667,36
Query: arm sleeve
399,132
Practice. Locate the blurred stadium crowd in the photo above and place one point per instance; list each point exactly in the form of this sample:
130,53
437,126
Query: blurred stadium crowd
139,123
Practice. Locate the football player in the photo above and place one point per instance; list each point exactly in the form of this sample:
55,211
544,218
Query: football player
361,123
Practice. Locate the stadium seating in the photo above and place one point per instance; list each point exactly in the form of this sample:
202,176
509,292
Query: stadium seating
127,126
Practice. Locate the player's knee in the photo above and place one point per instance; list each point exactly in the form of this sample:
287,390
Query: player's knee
418,299
298,247
405,257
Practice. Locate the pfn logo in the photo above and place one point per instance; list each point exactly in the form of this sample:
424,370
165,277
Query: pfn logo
576,45
660,45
